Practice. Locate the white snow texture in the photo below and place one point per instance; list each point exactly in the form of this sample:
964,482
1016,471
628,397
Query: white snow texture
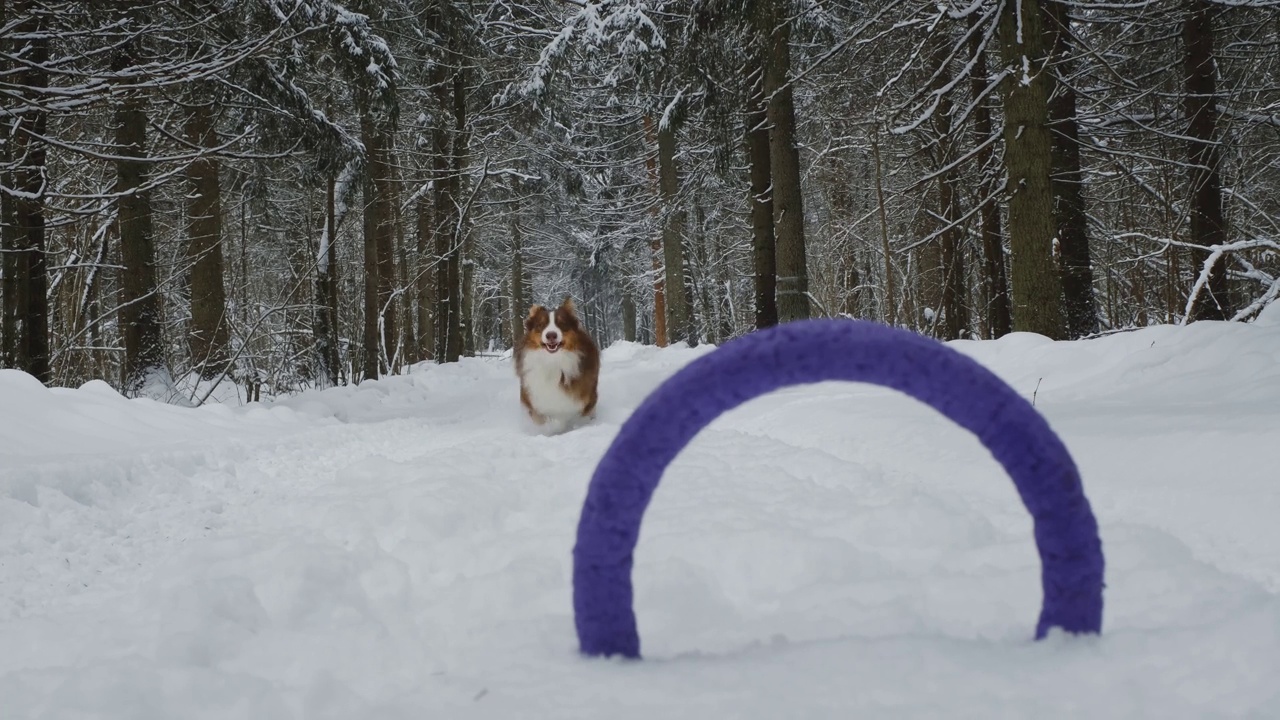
401,549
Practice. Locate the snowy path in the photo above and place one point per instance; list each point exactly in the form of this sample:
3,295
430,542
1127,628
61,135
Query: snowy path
401,549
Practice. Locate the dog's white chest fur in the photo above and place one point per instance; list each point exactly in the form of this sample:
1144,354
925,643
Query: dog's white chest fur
541,373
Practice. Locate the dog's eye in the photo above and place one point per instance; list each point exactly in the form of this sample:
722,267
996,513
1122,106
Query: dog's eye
536,322
566,320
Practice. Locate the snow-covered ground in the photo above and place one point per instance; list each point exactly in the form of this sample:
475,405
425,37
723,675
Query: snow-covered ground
401,549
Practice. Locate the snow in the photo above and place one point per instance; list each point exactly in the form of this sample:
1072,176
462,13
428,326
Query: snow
401,549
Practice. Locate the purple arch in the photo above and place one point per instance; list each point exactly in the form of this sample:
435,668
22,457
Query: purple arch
1046,478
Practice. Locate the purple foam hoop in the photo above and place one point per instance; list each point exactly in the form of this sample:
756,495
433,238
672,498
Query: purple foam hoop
811,351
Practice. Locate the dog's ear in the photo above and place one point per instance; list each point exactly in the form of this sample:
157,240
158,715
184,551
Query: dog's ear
568,305
533,311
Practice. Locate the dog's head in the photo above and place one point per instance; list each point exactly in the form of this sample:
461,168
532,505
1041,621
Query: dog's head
552,330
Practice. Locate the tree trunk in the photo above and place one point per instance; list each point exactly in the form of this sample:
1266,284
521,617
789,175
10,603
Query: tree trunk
788,207
449,149
998,318
890,308
449,303
659,294
723,295
408,301
1068,180
445,321
208,336
1208,227
505,314
326,327
8,269
955,312
679,310
464,334
699,278
388,199
469,329
628,318
369,338
655,249
30,294
425,287
764,259
519,303
1028,156
380,335
954,320
405,280
8,231
140,320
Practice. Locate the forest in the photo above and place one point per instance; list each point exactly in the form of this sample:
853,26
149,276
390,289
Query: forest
277,195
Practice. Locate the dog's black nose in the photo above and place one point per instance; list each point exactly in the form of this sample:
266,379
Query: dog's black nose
552,336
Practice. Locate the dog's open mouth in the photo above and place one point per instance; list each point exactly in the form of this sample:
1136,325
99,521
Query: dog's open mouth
552,346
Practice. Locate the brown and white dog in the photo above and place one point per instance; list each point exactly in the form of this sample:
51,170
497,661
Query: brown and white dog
558,364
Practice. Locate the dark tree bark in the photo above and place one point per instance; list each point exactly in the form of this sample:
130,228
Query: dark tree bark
1068,180
208,337
679,310
950,273
30,288
8,271
379,252
700,280
628,318
1208,226
326,327
930,275
388,200
955,312
998,318
140,320
655,247
764,259
723,291
461,264
449,149
519,301
890,303
788,207
405,280
8,234
659,294
369,344
448,348
425,287
1028,156
469,338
